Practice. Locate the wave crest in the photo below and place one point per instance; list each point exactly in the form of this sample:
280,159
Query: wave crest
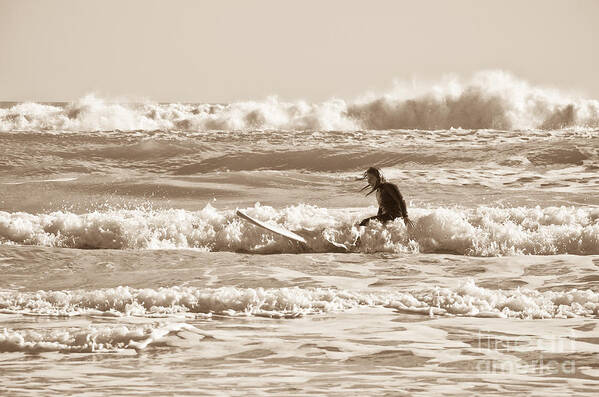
490,100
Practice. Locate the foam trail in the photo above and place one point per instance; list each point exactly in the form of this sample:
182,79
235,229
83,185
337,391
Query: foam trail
490,100
88,340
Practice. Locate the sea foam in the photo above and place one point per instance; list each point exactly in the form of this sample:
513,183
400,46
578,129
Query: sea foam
482,231
467,299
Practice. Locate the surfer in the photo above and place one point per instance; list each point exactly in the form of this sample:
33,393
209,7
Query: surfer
391,202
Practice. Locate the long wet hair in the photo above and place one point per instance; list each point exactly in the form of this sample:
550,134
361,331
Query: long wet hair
379,179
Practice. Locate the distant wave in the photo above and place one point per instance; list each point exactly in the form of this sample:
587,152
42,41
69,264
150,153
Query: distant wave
317,159
484,231
490,100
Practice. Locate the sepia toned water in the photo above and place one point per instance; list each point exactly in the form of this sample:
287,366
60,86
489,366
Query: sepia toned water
125,270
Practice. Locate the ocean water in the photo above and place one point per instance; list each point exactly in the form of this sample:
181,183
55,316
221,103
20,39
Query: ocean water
125,270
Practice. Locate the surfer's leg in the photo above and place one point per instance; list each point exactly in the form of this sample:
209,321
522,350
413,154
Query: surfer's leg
384,218
365,221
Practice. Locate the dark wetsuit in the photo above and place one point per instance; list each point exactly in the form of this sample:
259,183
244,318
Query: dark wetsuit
391,204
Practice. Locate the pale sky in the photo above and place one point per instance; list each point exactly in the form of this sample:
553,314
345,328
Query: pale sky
225,51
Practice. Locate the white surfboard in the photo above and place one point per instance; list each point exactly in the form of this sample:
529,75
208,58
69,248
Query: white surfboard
275,229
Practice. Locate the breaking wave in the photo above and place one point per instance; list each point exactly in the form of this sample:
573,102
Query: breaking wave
490,100
483,231
468,300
